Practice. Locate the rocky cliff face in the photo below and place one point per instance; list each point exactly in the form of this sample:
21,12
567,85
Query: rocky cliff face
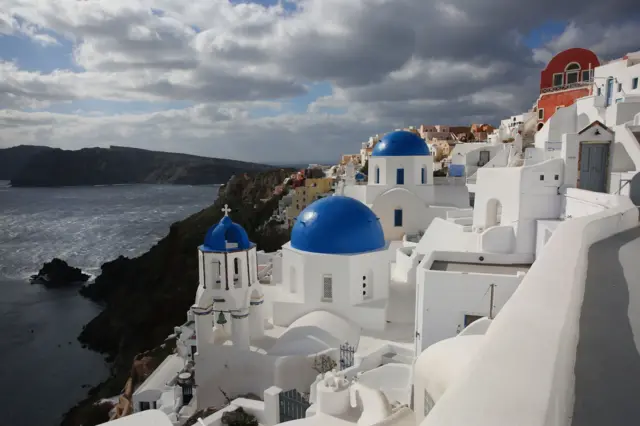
145,297
13,159
121,165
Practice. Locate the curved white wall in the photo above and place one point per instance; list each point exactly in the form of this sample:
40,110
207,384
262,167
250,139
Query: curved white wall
533,340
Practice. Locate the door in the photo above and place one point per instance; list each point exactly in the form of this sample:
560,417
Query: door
484,158
609,93
594,158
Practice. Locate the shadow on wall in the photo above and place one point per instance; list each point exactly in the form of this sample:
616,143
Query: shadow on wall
634,189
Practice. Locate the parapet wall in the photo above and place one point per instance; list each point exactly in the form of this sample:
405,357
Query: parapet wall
523,373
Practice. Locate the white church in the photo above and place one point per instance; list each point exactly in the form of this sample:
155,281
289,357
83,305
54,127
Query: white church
440,330
400,188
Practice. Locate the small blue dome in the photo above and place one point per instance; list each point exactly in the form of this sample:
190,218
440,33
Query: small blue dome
400,144
226,232
360,177
337,225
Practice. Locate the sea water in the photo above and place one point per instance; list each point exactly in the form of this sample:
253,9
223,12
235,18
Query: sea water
43,369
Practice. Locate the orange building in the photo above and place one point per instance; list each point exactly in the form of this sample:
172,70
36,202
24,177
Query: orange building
567,77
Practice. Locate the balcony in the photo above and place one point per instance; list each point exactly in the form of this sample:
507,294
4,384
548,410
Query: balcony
576,85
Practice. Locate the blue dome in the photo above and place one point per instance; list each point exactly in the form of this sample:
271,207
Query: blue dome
360,177
337,225
400,144
226,236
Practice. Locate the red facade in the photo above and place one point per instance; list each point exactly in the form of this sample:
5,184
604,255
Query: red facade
566,78
584,58
549,102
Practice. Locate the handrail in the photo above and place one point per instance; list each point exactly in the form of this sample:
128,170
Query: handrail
575,85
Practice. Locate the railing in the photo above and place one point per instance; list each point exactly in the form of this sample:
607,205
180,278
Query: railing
575,85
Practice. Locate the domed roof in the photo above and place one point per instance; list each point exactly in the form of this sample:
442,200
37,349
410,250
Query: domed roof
337,225
400,143
226,236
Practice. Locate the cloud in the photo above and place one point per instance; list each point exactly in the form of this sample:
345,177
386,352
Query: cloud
389,63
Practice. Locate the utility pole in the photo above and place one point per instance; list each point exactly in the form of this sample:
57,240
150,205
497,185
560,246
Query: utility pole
491,287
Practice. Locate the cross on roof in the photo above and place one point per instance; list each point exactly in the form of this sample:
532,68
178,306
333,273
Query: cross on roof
226,210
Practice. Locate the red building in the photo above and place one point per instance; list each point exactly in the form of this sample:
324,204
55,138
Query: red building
567,77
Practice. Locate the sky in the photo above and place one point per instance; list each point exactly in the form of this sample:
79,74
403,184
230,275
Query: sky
280,81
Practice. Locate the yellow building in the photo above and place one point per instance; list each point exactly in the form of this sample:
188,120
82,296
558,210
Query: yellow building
307,194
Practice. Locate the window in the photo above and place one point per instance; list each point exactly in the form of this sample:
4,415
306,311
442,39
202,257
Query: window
558,79
217,284
541,114
469,319
236,266
144,406
327,288
377,174
572,67
428,403
572,77
599,91
634,83
586,75
423,175
400,177
397,217
556,177
541,177
619,87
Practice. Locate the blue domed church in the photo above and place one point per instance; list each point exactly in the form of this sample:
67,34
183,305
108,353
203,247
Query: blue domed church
400,184
337,261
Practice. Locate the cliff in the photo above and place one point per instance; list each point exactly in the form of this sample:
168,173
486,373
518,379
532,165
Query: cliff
13,159
121,165
145,297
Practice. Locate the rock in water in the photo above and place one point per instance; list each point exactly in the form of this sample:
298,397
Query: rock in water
58,273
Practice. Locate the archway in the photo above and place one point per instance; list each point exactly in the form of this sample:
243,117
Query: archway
540,125
494,211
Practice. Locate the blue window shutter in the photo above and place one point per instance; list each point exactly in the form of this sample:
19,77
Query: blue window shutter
397,217
400,177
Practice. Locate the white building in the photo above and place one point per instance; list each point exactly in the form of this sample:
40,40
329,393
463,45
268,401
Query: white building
400,188
229,294
337,260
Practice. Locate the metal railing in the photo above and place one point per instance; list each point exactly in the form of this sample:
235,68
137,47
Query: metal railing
575,85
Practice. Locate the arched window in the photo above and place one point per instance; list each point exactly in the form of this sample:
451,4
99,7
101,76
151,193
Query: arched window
423,175
572,72
236,270
377,174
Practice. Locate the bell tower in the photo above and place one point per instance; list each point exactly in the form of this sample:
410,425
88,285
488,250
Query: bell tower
227,264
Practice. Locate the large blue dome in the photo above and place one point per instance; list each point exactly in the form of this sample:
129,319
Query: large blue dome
226,236
400,143
337,225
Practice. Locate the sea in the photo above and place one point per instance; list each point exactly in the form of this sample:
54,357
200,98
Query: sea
44,371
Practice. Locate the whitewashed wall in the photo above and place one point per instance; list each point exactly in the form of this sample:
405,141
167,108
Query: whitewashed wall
523,346
307,271
237,372
448,296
